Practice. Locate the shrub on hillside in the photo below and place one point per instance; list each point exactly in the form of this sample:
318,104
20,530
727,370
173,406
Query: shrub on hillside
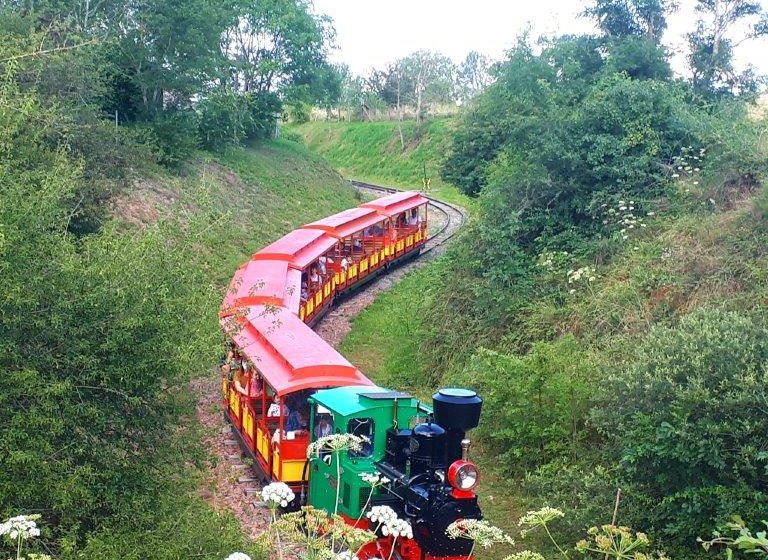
688,423
173,134
535,406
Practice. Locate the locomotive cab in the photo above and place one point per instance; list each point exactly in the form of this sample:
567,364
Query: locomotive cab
421,450
368,412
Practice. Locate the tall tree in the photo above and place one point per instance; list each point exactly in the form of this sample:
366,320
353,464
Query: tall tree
432,76
167,52
276,44
715,38
473,76
631,18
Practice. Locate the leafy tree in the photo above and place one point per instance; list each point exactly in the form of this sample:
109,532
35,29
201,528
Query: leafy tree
274,45
431,77
631,18
640,58
165,54
712,44
473,76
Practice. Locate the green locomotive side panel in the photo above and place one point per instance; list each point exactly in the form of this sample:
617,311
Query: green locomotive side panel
363,411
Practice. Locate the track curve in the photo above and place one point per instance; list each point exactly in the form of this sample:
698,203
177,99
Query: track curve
454,216
228,484
449,218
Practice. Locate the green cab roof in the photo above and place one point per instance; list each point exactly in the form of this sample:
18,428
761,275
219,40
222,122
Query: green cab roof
347,401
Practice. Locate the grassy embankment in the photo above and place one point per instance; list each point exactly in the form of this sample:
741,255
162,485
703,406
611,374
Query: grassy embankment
260,193
700,254
253,196
371,152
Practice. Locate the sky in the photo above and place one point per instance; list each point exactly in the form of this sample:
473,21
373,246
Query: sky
372,33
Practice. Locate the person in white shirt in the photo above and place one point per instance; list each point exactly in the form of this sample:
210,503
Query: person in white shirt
344,264
274,409
314,279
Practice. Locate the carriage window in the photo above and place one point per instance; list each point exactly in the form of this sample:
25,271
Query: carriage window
362,427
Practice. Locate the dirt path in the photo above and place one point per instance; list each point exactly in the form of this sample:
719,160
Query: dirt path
223,489
229,482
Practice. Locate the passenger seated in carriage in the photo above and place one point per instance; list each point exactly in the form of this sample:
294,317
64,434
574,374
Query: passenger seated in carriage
315,279
248,382
274,409
304,292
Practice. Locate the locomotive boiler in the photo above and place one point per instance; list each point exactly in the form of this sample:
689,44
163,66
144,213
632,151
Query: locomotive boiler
422,450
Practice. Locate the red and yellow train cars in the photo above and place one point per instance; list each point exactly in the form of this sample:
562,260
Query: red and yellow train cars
276,361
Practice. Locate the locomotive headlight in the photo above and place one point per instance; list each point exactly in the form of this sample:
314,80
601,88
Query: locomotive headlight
463,475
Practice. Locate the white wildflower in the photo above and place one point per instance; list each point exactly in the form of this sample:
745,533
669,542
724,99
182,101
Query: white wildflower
336,443
481,532
695,182
712,200
525,555
381,514
675,175
21,527
374,479
345,555
572,291
651,214
238,556
277,494
540,517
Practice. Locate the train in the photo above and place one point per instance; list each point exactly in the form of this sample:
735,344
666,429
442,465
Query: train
283,387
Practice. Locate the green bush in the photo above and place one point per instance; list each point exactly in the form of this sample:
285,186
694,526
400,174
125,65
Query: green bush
687,422
535,406
96,330
174,134
223,117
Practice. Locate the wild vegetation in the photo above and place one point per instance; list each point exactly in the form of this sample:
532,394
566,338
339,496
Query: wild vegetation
117,237
607,298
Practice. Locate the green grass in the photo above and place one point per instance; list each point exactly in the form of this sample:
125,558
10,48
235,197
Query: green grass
251,196
260,193
371,152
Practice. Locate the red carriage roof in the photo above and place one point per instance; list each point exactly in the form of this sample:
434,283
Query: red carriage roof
396,203
300,247
257,283
289,354
347,222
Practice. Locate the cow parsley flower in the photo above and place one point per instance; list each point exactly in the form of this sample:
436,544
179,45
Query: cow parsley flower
381,514
21,527
238,556
277,494
336,443
389,522
482,532
375,479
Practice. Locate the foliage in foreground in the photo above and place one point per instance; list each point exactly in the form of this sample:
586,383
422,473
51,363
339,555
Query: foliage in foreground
97,331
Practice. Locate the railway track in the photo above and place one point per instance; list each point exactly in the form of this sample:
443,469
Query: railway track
236,488
454,216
